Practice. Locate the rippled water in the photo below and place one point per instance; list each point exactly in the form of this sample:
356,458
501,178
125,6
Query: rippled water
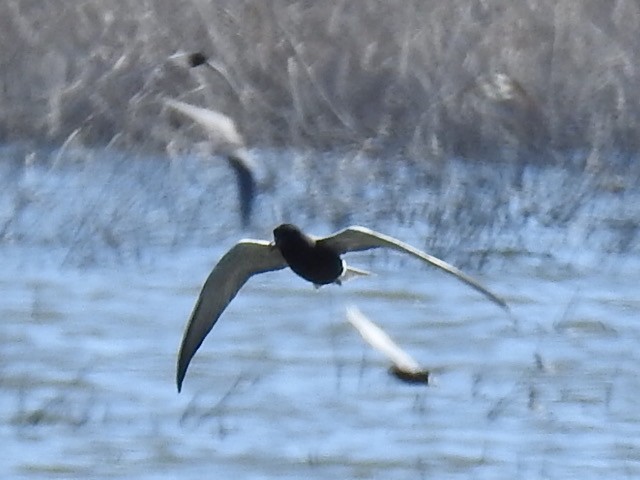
103,260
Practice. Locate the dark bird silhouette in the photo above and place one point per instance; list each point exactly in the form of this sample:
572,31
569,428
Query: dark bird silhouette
196,59
228,142
314,259
404,367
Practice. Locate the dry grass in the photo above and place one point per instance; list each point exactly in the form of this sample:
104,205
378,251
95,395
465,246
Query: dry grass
482,78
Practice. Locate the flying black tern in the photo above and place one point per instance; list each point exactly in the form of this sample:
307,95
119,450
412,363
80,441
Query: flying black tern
404,367
228,142
313,258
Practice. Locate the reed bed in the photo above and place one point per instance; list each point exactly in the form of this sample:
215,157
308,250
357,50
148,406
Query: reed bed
523,81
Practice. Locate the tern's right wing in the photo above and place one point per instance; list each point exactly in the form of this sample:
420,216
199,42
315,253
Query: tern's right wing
246,258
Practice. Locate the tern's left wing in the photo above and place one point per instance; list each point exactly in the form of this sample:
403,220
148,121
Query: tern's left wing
221,129
355,238
245,176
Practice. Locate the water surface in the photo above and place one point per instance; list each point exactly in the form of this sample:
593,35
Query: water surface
104,257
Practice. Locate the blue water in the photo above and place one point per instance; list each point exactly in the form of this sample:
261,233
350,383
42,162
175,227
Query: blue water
104,254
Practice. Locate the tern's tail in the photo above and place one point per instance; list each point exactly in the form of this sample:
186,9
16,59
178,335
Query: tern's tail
351,272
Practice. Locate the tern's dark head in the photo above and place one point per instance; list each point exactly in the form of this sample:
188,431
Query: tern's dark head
289,236
196,59
310,260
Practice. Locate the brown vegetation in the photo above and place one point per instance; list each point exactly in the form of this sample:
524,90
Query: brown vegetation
425,77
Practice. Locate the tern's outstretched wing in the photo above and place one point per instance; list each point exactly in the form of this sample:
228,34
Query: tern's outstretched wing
221,129
226,141
355,238
246,183
378,339
246,258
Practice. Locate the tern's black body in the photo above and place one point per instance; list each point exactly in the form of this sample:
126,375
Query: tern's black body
312,260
